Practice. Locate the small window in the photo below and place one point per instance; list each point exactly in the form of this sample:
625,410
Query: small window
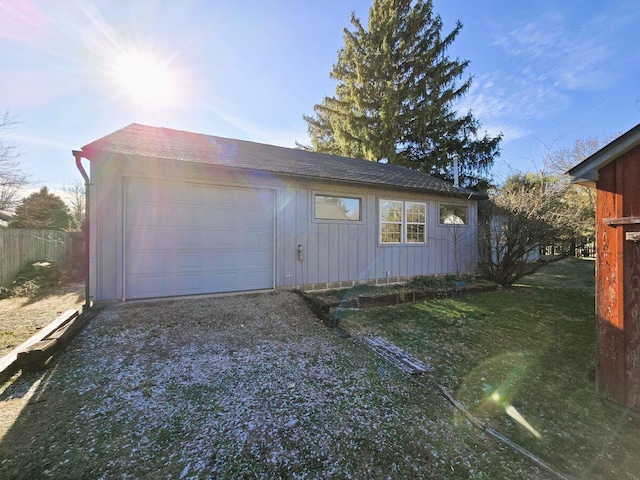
337,208
416,222
402,222
453,214
391,214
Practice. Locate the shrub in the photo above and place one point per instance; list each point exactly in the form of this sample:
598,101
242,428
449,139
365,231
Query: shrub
34,280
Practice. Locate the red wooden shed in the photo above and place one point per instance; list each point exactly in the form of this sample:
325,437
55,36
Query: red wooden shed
615,173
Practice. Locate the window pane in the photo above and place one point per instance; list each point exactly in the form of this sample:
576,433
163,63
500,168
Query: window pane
337,208
415,233
390,211
416,212
453,214
391,233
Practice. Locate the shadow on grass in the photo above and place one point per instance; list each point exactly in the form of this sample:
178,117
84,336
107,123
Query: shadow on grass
527,351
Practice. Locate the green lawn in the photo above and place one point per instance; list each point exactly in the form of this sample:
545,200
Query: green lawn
256,387
530,349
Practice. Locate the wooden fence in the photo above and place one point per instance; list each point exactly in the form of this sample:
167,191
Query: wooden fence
19,246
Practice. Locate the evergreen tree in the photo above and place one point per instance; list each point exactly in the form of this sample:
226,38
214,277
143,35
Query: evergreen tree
395,93
42,209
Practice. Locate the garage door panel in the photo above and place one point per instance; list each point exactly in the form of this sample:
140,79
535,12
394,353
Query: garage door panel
224,261
187,239
151,239
149,286
144,263
190,284
252,280
146,213
189,260
253,259
224,238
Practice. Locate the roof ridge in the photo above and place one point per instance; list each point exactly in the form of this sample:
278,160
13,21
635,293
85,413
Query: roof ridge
140,140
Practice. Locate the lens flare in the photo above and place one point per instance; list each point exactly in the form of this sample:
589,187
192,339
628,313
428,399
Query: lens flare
145,78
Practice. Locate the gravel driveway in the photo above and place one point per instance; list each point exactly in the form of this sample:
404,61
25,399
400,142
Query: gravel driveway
233,387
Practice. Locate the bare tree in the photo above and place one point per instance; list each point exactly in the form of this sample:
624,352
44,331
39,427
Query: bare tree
75,197
565,158
582,199
12,178
527,211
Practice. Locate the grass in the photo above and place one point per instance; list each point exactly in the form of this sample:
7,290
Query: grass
232,388
255,387
531,348
41,292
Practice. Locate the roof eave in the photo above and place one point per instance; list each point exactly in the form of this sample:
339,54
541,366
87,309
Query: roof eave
95,154
586,172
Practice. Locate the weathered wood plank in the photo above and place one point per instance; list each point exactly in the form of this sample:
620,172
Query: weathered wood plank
632,323
632,237
38,355
631,259
609,286
9,363
621,221
404,361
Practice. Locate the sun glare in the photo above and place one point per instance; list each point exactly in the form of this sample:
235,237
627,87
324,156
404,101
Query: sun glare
145,79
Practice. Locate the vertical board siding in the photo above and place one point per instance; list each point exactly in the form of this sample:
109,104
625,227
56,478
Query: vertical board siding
344,252
631,258
301,237
19,246
287,234
343,246
632,321
334,252
324,252
618,282
609,314
362,252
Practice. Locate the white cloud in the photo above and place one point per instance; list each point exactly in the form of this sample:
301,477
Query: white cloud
541,65
505,103
549,51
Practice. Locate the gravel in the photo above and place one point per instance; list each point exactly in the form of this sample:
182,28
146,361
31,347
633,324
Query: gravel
234,387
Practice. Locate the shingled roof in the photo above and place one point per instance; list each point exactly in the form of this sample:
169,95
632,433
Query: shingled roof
163,143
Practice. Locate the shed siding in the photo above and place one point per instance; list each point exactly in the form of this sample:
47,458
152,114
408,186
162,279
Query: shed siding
618,282
631,208
332,251
610,328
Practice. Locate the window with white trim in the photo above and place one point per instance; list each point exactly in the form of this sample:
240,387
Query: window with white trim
402,222
454,214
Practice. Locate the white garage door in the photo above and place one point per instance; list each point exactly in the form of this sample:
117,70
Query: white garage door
185,239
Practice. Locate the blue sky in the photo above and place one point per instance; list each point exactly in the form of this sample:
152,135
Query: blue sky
545,72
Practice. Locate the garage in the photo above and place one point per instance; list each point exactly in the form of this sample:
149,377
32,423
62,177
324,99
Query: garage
190,238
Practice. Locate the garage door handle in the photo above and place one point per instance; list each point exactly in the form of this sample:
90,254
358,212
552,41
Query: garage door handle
300,252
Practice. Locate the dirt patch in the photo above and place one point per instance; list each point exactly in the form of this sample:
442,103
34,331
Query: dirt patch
22,317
